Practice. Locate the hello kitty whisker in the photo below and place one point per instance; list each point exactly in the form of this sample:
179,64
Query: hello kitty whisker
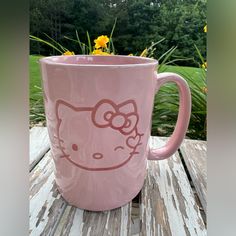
58,139
64,156
105,114
63,148
132,153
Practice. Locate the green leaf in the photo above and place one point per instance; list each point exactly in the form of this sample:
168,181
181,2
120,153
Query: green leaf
110,38
89,43
34,38
63,48
199,54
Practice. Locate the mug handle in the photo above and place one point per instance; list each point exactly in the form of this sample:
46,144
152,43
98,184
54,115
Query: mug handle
183,116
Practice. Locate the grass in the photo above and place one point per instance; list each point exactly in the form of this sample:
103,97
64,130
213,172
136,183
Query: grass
35,77
35,93
193,72
165,105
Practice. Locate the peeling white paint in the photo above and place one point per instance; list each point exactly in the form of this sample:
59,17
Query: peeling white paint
89,230
124,220
44,196
176,216
39,144
108,217
77,226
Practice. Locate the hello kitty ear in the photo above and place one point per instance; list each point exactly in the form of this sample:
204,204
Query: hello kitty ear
63,109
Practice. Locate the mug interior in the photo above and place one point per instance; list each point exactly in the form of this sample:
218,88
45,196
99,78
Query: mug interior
112,60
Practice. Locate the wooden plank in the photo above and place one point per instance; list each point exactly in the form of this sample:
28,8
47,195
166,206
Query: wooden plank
80,222
194,154
39,144
46,204
49,212
135,217
168,206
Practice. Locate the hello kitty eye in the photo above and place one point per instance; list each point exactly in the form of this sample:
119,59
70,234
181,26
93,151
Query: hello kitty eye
118,148
74,147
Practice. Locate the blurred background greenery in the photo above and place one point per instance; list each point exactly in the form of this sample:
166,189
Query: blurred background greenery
178,24
139,22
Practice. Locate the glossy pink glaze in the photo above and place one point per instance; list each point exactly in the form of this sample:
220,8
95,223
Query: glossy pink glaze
98,111
183,116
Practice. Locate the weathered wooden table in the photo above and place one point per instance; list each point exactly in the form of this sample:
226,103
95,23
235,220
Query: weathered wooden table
172,201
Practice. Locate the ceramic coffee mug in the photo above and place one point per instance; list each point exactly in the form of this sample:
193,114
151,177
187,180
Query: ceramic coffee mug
98,111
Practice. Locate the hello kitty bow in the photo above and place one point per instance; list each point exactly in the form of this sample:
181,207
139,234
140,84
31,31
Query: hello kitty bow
122,117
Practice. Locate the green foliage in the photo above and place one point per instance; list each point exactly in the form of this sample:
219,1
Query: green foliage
84,48
166,104
139,23
36,98
172,28
49,17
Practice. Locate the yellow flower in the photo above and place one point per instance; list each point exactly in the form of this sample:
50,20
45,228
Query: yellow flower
205,28
204,65
131,54
68,53
204,90
100,52
144,53
101,42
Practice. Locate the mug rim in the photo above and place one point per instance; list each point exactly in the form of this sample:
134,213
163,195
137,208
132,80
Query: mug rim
142,61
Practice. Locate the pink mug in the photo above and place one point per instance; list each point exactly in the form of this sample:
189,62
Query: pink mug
98,111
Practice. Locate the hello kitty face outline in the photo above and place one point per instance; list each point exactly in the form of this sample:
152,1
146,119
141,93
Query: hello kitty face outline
106,114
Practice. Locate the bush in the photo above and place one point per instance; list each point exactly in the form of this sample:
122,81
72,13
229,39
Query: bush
166,106
166,101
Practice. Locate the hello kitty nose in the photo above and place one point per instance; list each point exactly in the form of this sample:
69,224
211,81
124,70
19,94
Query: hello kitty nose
97,155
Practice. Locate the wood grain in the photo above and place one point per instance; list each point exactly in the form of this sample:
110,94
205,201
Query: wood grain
80,222
168,206
51,215
46,204
194,154
39,144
